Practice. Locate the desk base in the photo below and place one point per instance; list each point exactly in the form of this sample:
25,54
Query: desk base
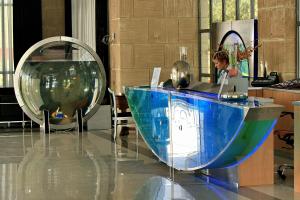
256,170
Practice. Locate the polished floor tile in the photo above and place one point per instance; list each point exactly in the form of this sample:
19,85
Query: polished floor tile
65,165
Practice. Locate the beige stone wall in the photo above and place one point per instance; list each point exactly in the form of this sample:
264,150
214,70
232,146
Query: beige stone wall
277,33
148,33
53,18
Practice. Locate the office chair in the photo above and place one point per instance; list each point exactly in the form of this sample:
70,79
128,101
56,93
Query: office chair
288,138
120,119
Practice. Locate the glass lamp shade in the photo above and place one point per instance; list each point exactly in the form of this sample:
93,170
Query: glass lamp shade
60,75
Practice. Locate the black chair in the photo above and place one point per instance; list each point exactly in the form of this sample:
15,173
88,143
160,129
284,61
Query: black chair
120,119
288,138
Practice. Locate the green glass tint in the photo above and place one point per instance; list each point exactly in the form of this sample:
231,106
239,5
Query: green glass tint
245,9
217,11
204,14
230,10
255,9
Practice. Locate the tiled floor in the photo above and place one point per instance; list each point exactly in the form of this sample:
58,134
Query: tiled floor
65,166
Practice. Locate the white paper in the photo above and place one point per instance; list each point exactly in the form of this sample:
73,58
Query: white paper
155,77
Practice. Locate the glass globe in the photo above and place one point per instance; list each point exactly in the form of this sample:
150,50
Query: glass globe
180,74
61,75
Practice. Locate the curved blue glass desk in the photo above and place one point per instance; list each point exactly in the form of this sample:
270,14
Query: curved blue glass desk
191,130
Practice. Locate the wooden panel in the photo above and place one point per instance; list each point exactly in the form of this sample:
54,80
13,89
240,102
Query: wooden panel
252,93
289,97
259,93
259,168
255,92
280,98
286,99
297,150
267,93
297,97
285,123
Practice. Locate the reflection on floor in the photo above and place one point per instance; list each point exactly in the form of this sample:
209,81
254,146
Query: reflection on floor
64,165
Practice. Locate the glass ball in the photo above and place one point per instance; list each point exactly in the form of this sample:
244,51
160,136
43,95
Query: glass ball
180,74
60,75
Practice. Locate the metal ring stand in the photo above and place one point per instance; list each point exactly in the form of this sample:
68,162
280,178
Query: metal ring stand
79,121
46,122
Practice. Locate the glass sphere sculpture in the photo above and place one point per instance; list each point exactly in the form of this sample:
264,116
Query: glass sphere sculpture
180,74
60,75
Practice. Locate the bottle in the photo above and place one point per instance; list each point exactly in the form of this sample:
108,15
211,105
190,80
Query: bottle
262,69
265,69
181,76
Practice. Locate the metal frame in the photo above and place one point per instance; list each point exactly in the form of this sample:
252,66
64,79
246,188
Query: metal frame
3,42
18,73
120,121
237,9
5,70
297,39
237,14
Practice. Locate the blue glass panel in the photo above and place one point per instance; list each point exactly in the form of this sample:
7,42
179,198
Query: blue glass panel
188,130
201,129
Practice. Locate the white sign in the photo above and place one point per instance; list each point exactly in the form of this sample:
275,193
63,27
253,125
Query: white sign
155,77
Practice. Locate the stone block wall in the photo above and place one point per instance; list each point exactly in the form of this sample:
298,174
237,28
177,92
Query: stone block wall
148,33
277,34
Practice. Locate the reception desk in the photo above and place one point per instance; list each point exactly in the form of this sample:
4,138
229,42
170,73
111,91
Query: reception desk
191,130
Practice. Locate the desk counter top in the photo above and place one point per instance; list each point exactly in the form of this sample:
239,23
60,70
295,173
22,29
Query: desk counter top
296,103
273,89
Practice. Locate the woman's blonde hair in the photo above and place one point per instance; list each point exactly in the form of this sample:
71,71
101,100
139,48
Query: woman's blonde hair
221,56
